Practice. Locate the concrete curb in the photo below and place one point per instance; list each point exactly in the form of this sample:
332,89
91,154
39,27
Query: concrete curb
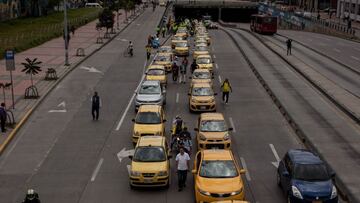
343,190
28,114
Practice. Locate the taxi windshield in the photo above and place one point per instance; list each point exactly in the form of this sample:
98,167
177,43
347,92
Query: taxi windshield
156,72
201,75
149,154
218,169
213,126
202,91
177,38
165,49
181,44
203,60
201,48
150,89
148,118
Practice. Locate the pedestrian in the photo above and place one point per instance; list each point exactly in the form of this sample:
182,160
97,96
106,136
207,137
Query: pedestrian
193,66
349,24
3,116
148,51
96,105
182,165
175,71
318,15
163,31
183,68
288,45
157,31
226,89
150,39
72,29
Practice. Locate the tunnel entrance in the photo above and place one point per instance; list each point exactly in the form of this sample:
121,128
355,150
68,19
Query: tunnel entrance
226,14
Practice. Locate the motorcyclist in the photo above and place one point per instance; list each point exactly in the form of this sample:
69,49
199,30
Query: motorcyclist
177,125
131,48
31,197
185,136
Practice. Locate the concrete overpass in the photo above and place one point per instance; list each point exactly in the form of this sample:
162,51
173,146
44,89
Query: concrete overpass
227,10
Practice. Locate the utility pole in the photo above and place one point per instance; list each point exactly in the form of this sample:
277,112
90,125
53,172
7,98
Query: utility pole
66,33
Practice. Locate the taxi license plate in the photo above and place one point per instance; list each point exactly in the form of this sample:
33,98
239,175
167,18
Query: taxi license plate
317,201
202,107
148,180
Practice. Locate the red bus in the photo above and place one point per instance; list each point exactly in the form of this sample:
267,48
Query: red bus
263,24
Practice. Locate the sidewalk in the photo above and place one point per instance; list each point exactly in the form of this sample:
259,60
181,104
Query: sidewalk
52,55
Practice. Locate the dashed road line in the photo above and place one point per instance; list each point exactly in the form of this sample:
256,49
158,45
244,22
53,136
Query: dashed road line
220,79
177,97
97,169
356,58
247,174
214,56
216,66
232,124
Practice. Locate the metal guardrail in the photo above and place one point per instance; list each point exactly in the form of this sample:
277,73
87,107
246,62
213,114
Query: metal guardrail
222,3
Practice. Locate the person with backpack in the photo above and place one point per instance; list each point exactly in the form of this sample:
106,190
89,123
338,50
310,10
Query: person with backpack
175,72
183,68
226,89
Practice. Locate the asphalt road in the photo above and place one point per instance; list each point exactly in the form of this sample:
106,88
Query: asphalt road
343,50
67,157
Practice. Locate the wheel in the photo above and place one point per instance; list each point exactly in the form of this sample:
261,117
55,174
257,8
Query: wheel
278,181
288,198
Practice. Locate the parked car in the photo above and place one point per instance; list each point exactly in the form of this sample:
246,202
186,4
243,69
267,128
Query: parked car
150,92
305,178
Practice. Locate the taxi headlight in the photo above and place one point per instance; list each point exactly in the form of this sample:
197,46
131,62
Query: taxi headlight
204,192
236,192
296,192
202,137
226,136
193,99
136,134
211,100
333,192
162,173
135,173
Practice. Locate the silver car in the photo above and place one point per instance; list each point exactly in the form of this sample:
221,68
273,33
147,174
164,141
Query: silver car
150,92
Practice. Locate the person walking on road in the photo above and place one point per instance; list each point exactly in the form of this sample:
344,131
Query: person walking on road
175,72
288,45
183,68
3,116
182,165
148,51
163,31
96,105
193,66
226,89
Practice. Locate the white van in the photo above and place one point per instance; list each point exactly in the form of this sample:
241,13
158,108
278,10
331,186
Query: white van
93,5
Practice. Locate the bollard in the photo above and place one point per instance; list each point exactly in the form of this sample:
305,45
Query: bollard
80,52
10,121
50,74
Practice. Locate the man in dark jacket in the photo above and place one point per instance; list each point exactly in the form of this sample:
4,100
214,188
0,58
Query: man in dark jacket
3,116
31,197
96,104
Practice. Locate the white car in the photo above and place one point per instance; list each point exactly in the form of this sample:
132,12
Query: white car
150,92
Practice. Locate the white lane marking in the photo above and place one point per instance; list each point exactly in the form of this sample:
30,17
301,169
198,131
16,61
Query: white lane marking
232,124
177,97
132,98
91,69
216,66
247,174
357,49
58,111
276,164
337,50
62,104
97,169
356,58
124,153
214,56
220,79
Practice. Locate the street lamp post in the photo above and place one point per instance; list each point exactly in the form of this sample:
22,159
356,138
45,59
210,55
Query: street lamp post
66,35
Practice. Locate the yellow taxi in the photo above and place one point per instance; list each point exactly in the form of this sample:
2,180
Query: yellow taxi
149,121
200,50
181,48
201,40
150,165
166,49
157,72
182,31
212,131
201,98
205,62
201,76
217,176
164,59
175,39
204,36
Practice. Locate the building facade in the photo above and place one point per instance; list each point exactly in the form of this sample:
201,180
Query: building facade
349,8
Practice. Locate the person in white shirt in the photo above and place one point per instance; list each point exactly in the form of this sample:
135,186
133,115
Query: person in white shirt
182,165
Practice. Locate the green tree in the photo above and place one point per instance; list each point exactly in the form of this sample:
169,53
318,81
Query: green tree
31,67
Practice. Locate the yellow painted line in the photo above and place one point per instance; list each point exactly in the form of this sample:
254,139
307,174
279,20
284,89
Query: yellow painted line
14,131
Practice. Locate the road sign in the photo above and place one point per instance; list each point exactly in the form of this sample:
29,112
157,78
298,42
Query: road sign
10,60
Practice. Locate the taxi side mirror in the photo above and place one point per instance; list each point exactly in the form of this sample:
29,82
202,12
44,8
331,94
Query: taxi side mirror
190,77
164,120
230,129
169,156
242,171
196,129
194,171
215,94
133,120
189,94
130,157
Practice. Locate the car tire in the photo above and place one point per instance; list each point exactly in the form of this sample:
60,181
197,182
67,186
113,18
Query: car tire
132,187
278,181
288,198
